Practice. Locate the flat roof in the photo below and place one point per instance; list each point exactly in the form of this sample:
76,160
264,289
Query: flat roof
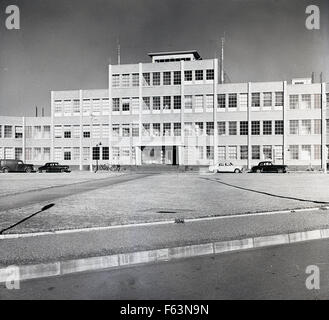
167,53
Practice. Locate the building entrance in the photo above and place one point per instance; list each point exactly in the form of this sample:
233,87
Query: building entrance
159,155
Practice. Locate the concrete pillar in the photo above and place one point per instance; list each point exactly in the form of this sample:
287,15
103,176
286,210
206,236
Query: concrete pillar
140,126
110,116
249,126
181,149
81,131
324,128
52,126
285,123
215,140
23,140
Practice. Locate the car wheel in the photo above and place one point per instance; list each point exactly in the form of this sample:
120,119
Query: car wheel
62,170
28,170
237,171
258,171
279,171
5,170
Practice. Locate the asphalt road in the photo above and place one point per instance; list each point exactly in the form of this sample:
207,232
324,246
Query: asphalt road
48,194
55,247
269,273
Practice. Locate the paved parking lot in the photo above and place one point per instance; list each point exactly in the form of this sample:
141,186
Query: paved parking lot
165,196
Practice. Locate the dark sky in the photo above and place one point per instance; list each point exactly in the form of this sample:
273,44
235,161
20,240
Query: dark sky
67,44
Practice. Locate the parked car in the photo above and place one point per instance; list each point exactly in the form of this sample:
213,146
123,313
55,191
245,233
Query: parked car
268,166
226,167
11,165
54,167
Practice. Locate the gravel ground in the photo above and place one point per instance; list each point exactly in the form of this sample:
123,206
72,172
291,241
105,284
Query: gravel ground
168,196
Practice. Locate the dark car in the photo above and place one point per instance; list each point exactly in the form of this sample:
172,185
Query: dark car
268,166
8,165
54,167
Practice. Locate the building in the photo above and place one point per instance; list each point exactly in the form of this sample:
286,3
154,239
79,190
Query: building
174,111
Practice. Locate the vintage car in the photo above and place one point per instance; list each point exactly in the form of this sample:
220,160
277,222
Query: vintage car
11,165
268,166
226,167
54,167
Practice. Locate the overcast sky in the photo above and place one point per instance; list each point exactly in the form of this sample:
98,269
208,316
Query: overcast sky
67,44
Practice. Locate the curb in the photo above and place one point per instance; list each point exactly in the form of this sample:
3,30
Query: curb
26,272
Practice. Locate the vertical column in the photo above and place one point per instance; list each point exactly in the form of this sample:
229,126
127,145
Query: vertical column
81,132
249,126
324,128
285,123
110,115
181,147
215,112
52,126
140,99
23,140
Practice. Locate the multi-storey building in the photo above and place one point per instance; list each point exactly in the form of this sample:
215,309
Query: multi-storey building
174,111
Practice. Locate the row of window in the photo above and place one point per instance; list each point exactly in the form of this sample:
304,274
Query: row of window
35,132
165,78
97,106
304,126
36,153
306,101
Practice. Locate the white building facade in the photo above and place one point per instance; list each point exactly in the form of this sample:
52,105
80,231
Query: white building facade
173,111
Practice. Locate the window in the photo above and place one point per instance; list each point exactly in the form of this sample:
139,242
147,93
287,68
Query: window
125,80
46,132
135,130
199,101
267,99
177,77
198,75
221,127
210,152
37,132
0,131
115,80
210,128
221,101
28,132
255,128
126,130
67,107
327,100
306,127
156,129
76,106
209,101
293,126
199,152
86,131
115,104
37,154
210,74
306,152
188,75
115,153
255,152
46,154
105,130
198,128
278,99
85,153
267,127
267,152
156,78
156,103
188,129
243,152
177,102
177,129
96,153
146,129
243,101
221,153
18,132
167,78
188,102
167,102
232,128
255,99
317,126
243,128
135,104
96,128
232,100
105,153
115,130
125,104
86,106
58,131
317,152
278,127
146,79
293,150
18,153
317,101
135,79
67,132
294,101
166,129
28,153
306,101
232,152
146,103
58,106
8,132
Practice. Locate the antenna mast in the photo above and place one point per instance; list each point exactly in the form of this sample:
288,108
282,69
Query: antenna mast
222,60
119,53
